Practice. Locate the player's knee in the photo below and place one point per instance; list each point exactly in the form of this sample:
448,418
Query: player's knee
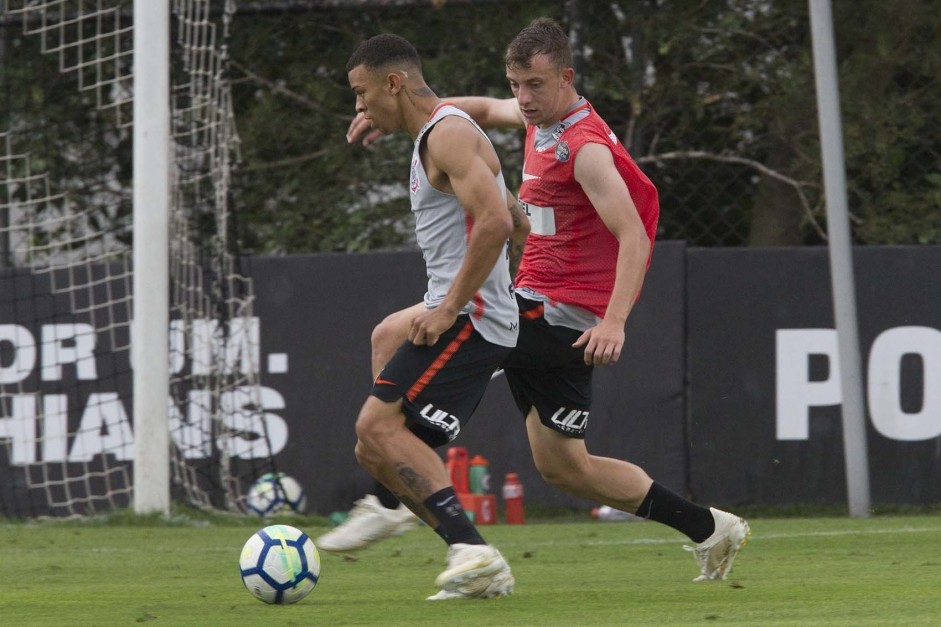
368,457
368,427
560,472
385,339
377,423
363,455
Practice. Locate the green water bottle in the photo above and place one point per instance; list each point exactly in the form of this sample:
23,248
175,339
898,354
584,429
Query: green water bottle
479,475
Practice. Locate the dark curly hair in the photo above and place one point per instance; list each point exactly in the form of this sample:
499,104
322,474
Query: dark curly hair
383,50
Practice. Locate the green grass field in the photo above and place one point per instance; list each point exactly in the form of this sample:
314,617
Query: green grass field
794,571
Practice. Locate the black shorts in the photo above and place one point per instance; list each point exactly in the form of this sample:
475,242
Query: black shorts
545,372
441,385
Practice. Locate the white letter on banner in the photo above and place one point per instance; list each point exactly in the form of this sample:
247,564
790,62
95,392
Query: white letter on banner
193,436
241,347
104,430
888,416
24,353
55,353
206,339
251,433
21,428
177,346
795,392
55,420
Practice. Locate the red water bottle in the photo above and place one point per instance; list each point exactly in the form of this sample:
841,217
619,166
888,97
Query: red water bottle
513,499
457,468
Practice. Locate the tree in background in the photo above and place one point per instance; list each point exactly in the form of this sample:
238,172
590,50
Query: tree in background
891,95
301,188
714,98
57,150
722,111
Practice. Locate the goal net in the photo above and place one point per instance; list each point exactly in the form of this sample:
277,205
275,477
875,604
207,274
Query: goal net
66,217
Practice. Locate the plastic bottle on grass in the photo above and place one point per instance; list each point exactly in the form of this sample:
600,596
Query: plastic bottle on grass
479,475
457,468
513,499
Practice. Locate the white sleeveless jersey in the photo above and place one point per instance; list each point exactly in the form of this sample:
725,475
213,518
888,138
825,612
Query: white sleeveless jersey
442,229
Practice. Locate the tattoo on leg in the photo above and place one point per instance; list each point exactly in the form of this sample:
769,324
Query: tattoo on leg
417,488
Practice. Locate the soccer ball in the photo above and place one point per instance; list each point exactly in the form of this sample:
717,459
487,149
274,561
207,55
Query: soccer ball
274,493
280,564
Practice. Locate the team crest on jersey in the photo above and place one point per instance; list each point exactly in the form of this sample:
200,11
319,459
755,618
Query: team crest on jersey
562,152
414,183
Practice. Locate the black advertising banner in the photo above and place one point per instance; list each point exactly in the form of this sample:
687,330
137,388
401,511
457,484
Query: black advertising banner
313,316
764,389
65,389
728,387
316,315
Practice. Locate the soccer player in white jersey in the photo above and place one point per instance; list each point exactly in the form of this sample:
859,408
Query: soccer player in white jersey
379,514
593,216
428,390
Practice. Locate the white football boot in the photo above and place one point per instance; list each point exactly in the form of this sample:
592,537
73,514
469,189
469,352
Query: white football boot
475,571
368,523
716,553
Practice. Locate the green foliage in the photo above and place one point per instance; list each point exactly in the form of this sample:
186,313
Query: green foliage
301,187
63,147
714,98
891,103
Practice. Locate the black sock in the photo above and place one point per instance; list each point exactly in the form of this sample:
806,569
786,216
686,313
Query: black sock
673,510
453,524
388,500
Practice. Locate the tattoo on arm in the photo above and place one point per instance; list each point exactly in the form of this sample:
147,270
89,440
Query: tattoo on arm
516,254
518,238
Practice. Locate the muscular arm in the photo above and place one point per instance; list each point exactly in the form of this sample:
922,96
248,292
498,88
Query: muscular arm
457,149
596,173
491,112
487,112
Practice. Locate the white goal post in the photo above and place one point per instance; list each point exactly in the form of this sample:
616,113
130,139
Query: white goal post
149,329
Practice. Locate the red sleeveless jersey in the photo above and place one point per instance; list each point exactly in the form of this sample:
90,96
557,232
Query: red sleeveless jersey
571,255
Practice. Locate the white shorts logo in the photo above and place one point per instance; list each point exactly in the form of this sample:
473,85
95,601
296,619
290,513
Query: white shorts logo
443,420
570,420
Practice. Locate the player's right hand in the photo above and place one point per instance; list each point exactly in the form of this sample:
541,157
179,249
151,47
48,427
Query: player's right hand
360,129
428,326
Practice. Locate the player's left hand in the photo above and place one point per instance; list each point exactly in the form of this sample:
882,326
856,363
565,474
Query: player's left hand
361,130
602,343
428,326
